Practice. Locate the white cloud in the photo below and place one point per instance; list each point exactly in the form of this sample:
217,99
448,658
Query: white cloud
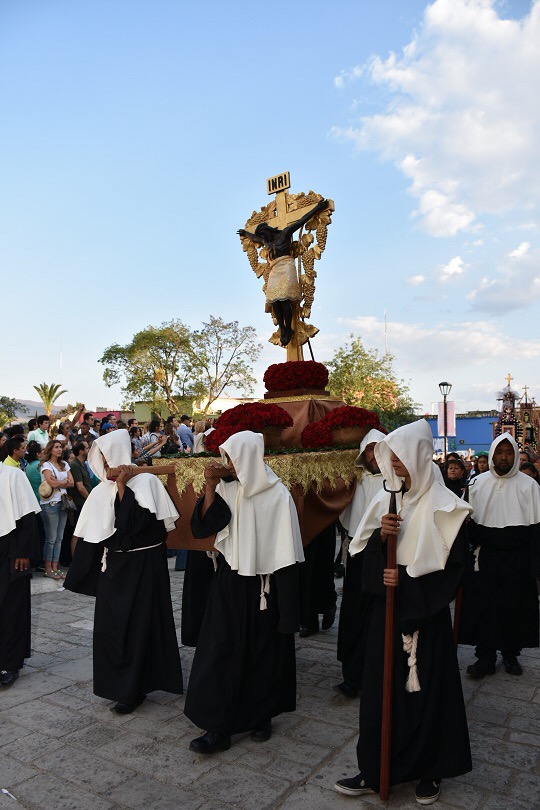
516,284
463,122
452,270
520,251
415,281
418,346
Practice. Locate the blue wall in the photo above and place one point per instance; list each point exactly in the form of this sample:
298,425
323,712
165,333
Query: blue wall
472,431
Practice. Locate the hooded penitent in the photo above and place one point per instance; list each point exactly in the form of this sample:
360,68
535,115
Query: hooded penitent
504,500
97,519
263,534
366,490
431,514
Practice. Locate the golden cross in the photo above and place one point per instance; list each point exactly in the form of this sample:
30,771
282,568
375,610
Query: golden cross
508,378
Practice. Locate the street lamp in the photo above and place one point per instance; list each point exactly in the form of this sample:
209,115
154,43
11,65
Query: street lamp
445,388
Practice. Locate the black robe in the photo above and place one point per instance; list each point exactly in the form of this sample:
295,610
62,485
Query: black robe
198,578
430,739
317,589
135,644
244,669
500,600
354,618
15,614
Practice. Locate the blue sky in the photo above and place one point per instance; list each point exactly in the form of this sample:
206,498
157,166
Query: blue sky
136,138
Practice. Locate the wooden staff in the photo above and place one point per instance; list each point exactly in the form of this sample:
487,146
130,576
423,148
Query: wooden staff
164,469
388,673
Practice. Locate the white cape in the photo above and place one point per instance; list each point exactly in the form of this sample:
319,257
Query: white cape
432,514
263,534
17,498
505,500
97,519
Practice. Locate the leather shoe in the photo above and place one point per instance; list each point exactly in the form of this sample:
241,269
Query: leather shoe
512,666
263,732
480,668
309,631
346,690
209,743
329,618
8,678
127,708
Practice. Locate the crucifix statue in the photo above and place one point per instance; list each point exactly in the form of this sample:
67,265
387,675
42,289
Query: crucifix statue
289,291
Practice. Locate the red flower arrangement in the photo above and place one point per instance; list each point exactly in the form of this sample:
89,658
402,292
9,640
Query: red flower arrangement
319,434
348,416
254,416
296,374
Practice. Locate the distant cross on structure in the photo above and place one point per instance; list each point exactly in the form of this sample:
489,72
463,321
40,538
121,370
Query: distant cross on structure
525,388
508,378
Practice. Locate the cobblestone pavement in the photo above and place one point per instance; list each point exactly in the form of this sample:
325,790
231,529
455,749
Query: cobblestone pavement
61,747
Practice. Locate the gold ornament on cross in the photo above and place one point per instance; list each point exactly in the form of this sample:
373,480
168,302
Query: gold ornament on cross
287,265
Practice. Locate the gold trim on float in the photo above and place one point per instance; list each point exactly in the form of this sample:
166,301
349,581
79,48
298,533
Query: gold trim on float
319,468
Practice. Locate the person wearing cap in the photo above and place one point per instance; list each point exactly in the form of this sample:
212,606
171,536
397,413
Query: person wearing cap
430,740
244,670
500,598
355,605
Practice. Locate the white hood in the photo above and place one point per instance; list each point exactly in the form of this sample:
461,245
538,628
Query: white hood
17,498
500,501
97,519
431,514
263,534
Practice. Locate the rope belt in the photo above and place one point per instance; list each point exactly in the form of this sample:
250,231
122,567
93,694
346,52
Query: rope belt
410,644
265,588
119,551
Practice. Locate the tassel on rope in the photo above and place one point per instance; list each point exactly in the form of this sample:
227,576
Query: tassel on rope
265,588
213,556
410,644
476,553
104,560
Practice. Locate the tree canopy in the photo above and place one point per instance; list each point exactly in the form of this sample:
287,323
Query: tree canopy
367,379
9,408
166,364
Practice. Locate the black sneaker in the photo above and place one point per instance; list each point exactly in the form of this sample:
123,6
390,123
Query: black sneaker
8,677
480,668
512,666
353,787
428,791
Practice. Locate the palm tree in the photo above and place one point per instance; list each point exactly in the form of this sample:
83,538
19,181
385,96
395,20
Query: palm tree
49,394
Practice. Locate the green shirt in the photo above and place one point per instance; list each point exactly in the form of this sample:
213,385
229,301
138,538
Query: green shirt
34,476
80,475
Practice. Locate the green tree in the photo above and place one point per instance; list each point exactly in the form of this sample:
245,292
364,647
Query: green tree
154,367
48,394
366,379
223,356
9,408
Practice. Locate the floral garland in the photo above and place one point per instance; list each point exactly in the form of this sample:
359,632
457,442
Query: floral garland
348,416
319,434
296,374
254,416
